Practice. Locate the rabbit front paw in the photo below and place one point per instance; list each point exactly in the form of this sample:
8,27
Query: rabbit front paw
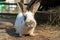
34,34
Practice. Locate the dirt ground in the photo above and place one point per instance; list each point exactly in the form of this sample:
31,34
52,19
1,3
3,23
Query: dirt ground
45,32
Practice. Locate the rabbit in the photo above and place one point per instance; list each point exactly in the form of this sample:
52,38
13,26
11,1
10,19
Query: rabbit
25,22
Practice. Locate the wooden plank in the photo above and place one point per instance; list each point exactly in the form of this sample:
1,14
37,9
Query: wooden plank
9,3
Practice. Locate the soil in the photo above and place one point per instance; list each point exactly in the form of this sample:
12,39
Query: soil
45,32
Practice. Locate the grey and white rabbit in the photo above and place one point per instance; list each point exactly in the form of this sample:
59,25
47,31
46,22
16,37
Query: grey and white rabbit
28,25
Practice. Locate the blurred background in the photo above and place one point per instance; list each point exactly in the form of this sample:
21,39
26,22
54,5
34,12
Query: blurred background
10,6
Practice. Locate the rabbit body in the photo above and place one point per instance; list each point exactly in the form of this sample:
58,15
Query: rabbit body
27,26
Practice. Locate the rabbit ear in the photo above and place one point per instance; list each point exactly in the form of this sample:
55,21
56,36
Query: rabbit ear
34,7
22,7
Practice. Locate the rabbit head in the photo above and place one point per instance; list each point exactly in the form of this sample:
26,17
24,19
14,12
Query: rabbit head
30,20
